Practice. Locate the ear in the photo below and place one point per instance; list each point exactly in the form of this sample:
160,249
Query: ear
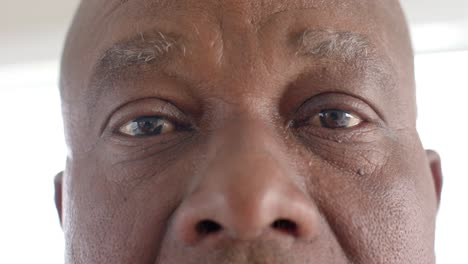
58,194
436,170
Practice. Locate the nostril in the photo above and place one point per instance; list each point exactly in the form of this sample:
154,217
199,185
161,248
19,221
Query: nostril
207,227
286,226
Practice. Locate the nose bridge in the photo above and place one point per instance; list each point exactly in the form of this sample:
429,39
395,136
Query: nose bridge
248,170
249,143
246,155
245,188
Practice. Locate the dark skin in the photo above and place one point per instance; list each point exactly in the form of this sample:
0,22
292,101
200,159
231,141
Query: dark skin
244,132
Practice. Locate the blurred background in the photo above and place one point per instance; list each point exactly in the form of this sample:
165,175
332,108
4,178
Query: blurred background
32,148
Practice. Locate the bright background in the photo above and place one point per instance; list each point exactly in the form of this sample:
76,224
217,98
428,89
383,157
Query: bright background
32,146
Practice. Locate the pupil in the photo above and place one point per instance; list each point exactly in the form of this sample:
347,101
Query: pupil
149,126
146,125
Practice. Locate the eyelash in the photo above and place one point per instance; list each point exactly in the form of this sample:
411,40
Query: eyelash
178,126
319,114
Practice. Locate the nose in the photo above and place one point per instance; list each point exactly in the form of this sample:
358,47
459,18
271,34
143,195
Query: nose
248,190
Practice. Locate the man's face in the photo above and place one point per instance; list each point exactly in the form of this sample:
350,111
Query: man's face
244,132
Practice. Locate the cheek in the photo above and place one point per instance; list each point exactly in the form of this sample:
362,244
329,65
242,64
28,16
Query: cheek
116,211
383,213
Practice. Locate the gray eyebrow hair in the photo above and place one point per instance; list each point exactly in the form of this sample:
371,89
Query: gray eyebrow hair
154,47
148,48
344,45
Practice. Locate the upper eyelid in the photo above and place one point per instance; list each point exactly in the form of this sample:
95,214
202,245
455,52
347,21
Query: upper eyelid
339,109
301,122
350,103
360,99
348,112
176,123
165,110
342,105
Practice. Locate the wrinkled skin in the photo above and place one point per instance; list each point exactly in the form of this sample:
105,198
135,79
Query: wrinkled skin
240,173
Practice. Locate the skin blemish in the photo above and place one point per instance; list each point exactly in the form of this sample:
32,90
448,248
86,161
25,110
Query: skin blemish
361,172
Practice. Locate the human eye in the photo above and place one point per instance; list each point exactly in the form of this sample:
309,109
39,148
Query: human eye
335,119
145,126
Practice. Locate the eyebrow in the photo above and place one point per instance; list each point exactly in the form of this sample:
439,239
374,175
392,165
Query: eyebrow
149,48
154,48
145,48
345,45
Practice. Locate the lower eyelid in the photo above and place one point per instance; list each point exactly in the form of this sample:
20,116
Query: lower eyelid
356,134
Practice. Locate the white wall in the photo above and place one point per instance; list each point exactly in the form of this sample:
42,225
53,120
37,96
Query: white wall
34,30
32,151
442,90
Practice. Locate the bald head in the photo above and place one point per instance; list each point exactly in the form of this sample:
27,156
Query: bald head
244,132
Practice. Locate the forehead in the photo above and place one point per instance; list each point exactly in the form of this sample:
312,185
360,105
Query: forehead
254,10
254,13
101,24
